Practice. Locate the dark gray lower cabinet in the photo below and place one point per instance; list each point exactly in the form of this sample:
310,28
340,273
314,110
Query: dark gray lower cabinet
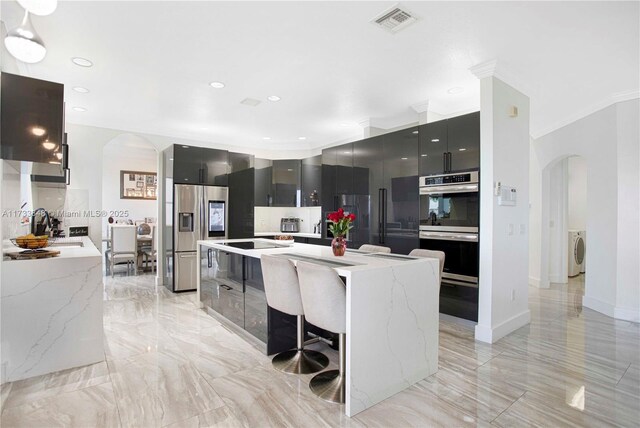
220,287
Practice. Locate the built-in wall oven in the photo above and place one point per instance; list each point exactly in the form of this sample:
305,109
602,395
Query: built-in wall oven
449,222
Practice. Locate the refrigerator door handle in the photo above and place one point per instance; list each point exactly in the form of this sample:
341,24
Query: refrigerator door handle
384,215
379,216
209,258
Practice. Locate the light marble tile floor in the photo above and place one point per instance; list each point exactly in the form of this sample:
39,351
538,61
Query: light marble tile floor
167,363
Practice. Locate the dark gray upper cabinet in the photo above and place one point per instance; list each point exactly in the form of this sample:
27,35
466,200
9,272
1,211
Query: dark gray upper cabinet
433,148
187,164
200,165
31,112
263,193
328,196
368,160
286,182
464,142
241,195
311,176
450,145
344,169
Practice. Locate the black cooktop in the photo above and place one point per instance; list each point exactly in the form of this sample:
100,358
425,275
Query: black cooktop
251,245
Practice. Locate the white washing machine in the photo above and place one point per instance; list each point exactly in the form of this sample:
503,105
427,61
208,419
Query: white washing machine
584,259
576,252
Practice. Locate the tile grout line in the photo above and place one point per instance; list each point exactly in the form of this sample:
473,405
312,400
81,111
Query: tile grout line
510,405
625,372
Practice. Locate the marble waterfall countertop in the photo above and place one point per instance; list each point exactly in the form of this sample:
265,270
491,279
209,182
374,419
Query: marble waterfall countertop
51,312
392,316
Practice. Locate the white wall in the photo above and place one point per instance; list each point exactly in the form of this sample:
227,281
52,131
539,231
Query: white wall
608,142
558,232
127,153
577,193
504,157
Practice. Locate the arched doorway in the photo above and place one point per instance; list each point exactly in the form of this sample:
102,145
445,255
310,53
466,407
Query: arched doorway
129,188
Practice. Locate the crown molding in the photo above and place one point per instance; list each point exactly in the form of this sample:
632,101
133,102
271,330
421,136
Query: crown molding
619,97
365,123
421,107
485,69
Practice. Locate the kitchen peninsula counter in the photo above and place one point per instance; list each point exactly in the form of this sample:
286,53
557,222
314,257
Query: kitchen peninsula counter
392,310
51,311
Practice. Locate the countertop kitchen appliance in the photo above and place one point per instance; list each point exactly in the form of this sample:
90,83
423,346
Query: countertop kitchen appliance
200,213
290,224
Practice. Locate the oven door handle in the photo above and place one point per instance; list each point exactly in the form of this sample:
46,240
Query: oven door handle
439,190
467,237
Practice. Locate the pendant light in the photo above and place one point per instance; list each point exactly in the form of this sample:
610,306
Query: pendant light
24,43
39,7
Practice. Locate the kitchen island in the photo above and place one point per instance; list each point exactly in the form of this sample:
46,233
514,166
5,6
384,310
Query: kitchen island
51,311
392,310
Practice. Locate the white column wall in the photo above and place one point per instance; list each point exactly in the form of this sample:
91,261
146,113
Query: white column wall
504,256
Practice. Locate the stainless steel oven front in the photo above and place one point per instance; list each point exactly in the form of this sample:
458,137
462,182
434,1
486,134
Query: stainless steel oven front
450,202
461,263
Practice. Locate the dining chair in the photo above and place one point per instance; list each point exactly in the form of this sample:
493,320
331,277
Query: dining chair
124,247
150,253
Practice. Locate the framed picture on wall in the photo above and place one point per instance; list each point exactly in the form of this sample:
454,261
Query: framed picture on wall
138,185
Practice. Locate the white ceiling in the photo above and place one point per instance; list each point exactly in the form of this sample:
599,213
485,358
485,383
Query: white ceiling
332,68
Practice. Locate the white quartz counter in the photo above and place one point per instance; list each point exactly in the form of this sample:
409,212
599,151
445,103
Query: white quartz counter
85,248
299,234
392,317
51,312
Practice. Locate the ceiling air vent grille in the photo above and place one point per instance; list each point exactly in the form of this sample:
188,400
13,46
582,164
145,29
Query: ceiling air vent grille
395,20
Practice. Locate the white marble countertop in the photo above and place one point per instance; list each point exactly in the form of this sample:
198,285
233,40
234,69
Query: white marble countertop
300,234
66,251
359,260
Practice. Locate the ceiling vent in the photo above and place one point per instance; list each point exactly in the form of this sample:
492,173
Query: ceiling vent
394,19
250,102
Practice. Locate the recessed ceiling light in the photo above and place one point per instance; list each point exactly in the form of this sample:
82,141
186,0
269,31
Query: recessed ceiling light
37,131
462,149
266,138
273,98
414,132
81,89
217,85
48,145
302,138
404,158
82,62
455,90
435,140
344,124
204,128
81,109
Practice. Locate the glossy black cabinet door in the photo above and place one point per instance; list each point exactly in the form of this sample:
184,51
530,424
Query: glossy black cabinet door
464,142
286,182
241,203
215,167
401,195
263,179
225,284
433,148
311,176
187,164
368,180
344,169
329,199
255,300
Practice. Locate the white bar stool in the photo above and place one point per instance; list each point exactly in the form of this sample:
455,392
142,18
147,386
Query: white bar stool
374,248
430,254
283,293
324,298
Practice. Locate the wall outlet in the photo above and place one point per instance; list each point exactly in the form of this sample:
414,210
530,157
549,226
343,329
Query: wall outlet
513,295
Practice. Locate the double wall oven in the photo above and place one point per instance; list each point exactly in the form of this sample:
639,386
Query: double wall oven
449,222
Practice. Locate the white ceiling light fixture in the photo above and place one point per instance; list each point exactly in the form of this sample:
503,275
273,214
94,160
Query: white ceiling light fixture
455,90
266,138
80,109
82,62
302,138
217,85
273,98
24,43
39,7
81,90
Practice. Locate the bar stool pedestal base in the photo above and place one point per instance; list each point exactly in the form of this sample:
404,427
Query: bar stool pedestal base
329,386
298,361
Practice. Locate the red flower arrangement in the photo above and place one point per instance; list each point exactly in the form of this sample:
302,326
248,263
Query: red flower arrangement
341,223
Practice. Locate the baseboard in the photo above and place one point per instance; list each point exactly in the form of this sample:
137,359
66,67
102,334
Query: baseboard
538,283
491,335
626,314
598,305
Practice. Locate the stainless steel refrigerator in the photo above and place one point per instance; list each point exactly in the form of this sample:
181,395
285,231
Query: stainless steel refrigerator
199,213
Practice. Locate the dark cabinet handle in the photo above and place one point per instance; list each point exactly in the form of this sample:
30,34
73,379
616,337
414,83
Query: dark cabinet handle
444,162
209,261
449,162
380,200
